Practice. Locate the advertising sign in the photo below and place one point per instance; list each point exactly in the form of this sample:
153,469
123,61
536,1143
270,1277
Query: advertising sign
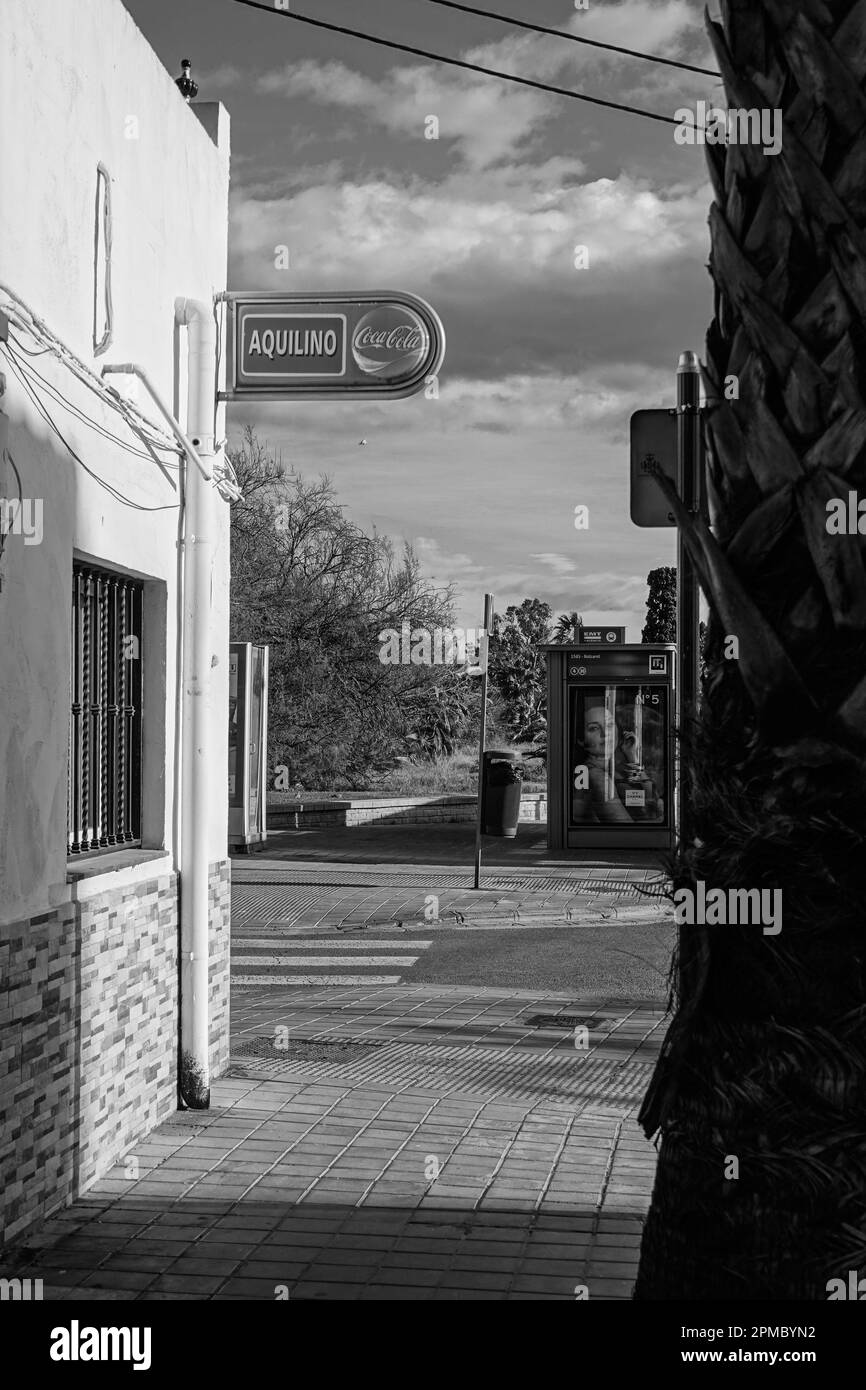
248,740
601,635
331,346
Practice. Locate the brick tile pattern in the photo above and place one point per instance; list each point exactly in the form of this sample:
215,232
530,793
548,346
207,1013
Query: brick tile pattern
88,1036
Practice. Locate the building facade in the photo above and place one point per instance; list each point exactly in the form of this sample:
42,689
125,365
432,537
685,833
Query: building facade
113,204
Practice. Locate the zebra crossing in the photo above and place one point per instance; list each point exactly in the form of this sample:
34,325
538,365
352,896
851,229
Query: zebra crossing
322,960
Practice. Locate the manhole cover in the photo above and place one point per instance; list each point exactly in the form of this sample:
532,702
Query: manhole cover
567,1021
305,1049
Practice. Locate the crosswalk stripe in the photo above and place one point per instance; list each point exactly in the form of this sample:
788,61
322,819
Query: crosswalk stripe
316,979
324,960
317,944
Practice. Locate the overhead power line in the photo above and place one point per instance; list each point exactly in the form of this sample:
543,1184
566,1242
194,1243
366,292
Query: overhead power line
456,62
573,38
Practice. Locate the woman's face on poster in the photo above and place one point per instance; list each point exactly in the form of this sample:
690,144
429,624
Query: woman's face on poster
594,728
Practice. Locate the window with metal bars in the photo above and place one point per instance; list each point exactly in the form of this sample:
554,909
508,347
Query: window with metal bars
104,794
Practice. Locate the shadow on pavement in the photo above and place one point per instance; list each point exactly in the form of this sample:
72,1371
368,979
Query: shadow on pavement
143,1249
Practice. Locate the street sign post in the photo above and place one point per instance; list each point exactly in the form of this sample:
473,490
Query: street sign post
689,469
653,440
334,346
670,440
482,736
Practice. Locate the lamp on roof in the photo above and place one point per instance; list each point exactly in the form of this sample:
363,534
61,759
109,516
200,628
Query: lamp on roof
184,83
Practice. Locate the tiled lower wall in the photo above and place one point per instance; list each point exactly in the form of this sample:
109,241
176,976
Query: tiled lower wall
220,964
89,1036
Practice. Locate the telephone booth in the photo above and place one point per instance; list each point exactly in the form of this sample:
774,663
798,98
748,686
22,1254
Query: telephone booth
610,759
248,744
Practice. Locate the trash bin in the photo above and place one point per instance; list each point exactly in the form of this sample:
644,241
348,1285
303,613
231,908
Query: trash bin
502,783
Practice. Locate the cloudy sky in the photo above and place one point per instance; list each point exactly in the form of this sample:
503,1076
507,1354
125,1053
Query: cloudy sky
545,362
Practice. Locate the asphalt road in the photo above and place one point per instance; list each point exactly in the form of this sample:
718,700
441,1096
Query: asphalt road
614,961
607,960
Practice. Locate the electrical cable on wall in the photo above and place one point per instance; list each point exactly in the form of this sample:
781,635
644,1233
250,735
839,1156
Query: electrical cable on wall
103,178
8,452
27,321
58,396
47,417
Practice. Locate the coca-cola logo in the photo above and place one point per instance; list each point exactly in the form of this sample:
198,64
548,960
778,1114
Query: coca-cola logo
390,341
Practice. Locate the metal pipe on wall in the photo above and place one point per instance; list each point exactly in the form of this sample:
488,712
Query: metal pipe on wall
194,1080
197,442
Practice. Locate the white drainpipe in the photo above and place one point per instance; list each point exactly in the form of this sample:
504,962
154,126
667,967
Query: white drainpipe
196,706
198,445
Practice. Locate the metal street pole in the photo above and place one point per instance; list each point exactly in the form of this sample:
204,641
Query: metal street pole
488,628
688,600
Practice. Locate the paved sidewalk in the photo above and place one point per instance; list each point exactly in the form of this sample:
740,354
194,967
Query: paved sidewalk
442,844
413,1142
345,908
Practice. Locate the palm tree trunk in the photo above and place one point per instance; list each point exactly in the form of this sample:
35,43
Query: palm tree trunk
760,1093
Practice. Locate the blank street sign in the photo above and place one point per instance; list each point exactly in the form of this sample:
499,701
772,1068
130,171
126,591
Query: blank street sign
653,438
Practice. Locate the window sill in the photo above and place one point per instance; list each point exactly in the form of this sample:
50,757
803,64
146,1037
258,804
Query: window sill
87,878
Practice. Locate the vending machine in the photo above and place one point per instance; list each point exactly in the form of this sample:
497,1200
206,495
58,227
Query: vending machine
248,744
610,759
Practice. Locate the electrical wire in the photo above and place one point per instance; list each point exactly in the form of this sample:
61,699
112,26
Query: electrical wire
17,474
46,416
149,453
31,352
8,453
39,330
573,38
224,476
457,62
79,414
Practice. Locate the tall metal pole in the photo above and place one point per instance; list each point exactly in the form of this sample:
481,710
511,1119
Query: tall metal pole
485,639
688,600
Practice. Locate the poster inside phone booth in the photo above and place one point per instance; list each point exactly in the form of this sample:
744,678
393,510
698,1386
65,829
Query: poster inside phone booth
248,739
610,754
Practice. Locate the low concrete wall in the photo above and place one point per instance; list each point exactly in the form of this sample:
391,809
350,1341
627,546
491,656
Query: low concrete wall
402,810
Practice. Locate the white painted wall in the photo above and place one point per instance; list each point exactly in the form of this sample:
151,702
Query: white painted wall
79,84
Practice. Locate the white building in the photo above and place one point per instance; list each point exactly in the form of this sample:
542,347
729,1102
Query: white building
109,181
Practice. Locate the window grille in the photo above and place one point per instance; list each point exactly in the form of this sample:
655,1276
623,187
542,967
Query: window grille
104,791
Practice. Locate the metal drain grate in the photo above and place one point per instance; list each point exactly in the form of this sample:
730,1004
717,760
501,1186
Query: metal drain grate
259,904
304,1050
442,878
566,1021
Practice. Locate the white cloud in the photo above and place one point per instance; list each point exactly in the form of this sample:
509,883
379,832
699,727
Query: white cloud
487,120
211,80
562,566
494,253
490,120
523,218
672,29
